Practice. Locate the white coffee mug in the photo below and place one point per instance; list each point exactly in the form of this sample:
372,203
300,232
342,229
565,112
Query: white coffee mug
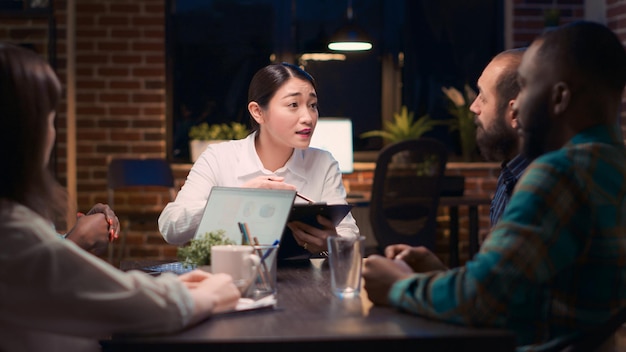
239,261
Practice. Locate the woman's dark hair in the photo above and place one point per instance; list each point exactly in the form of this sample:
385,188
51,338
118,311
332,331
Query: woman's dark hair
268,80
29,92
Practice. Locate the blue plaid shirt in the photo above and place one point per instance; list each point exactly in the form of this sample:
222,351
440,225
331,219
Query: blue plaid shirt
555,263
509,175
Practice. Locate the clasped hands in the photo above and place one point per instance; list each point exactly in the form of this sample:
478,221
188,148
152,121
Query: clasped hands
401,261
94,230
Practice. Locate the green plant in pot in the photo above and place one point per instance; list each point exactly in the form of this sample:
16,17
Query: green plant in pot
403,127
203,134
198,251
218,131
459,107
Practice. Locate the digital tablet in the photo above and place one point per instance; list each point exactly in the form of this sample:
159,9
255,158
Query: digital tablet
290,252
307,213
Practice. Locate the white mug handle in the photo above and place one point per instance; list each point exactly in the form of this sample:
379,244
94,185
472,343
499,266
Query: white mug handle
249,268
253,264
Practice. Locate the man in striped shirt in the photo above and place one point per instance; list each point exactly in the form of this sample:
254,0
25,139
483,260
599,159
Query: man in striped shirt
496,124
553,266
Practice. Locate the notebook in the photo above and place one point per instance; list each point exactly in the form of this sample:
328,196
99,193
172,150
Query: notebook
265,211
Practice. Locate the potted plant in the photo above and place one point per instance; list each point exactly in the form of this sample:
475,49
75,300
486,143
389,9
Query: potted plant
197,253
403,127
204,134
464,119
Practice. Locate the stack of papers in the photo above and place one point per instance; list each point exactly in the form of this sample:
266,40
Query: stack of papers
250,304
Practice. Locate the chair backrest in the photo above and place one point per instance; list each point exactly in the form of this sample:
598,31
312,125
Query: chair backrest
405,192
135,172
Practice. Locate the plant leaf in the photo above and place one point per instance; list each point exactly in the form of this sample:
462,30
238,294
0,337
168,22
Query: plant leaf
404,126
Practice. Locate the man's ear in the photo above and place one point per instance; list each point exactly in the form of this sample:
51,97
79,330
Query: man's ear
511,115
255,111
561,95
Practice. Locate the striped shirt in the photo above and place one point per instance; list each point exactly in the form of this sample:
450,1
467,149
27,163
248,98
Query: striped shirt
509,175
555,263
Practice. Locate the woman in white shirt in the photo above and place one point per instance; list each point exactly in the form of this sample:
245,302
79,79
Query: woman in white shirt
282,102
55,296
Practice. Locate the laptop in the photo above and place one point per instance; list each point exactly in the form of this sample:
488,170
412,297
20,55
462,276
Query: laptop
265,211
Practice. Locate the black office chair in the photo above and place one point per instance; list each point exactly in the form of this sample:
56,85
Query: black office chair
405,192
137,177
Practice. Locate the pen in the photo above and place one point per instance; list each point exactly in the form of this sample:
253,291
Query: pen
263,272
260,252
311,201
245,238
269,251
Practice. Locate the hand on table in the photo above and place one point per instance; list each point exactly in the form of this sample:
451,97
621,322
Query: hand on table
312,238
420,259
212,293
380,273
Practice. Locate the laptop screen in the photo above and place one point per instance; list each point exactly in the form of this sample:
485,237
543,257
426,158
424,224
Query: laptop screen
265,211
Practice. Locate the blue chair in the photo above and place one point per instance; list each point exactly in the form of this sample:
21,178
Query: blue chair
137,176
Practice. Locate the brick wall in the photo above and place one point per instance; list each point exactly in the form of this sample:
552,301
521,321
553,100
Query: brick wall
529,17
120,82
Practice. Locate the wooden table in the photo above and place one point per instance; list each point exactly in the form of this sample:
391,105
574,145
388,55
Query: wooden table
309,318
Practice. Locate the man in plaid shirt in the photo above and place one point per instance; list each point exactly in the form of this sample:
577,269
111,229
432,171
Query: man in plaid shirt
553,267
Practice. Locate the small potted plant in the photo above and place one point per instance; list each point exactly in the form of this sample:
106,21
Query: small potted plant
459,107
204,134
197,253
403,127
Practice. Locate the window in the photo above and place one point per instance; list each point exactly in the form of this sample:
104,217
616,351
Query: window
215,46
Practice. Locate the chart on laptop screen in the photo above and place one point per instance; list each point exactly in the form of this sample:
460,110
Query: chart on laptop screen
265,211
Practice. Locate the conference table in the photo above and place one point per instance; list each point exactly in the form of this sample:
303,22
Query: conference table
308,317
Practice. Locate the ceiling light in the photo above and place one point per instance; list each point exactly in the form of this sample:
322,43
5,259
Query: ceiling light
350,37
322,57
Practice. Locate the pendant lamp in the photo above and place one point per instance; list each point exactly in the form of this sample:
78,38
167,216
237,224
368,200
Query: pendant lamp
350,37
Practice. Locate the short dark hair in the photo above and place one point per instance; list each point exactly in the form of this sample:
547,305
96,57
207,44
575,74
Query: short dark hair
268,80
587,50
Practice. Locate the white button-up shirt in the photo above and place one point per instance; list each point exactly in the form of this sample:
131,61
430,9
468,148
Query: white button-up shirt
314,172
